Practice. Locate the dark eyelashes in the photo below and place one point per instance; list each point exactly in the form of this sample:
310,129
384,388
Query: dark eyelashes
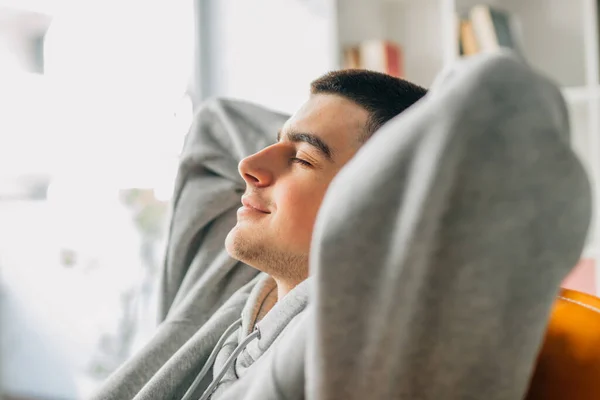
301,161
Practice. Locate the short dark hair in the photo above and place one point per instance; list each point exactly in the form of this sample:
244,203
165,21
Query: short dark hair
383,96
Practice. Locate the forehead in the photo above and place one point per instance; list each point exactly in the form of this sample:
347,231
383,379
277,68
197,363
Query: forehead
336,120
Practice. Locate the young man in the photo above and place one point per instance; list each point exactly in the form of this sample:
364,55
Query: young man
435,258
285,167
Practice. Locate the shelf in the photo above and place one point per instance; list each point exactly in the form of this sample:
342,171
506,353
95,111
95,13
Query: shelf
580,94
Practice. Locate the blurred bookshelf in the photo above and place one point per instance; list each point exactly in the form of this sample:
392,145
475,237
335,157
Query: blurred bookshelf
418,37
559,38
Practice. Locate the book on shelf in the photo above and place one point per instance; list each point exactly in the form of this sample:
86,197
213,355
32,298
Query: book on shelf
352,58
376,55
486,29
468,41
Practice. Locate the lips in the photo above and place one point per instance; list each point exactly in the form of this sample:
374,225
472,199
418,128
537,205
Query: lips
255,204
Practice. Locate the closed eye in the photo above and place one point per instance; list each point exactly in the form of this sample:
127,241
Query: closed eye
301,161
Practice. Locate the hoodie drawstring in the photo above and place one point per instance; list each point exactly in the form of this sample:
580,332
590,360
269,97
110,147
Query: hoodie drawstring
213,385
211,359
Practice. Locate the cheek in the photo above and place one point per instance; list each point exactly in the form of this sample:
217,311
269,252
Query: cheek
297,206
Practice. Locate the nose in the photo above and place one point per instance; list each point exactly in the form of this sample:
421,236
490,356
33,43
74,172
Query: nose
255,169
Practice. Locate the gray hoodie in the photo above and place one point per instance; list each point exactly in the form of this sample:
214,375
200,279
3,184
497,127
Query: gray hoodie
264,320
436,257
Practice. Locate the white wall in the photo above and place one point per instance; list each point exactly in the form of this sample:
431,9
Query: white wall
268,51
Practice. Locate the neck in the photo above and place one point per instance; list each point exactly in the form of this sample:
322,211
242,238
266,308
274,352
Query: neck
284,287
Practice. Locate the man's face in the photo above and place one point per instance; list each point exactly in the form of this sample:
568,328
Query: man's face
286,182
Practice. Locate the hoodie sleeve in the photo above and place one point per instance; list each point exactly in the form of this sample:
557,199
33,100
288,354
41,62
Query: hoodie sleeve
460,218
207,193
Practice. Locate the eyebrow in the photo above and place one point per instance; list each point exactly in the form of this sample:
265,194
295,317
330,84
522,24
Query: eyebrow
311,139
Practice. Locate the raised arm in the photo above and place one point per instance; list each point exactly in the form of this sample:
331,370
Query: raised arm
460,219
207,193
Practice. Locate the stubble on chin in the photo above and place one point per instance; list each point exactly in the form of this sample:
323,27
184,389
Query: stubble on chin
266,258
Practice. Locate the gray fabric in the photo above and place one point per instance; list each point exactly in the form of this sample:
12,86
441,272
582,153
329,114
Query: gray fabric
271,328
436,255
198,275
439,249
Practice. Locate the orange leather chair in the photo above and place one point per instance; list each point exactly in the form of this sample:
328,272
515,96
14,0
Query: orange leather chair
568,366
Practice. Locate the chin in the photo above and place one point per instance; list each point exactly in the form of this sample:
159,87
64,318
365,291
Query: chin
230,243
239,247
258,252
